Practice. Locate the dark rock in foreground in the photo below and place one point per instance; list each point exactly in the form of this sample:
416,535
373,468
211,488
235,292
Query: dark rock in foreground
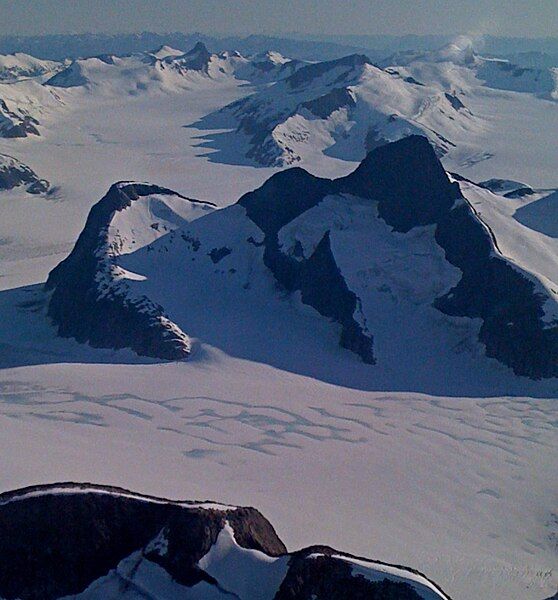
101,542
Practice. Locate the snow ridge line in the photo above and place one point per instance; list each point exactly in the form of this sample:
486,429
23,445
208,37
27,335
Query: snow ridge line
75,487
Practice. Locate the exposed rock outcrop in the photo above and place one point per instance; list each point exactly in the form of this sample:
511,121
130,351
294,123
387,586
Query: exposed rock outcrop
85,305
14,173
16,124
109,538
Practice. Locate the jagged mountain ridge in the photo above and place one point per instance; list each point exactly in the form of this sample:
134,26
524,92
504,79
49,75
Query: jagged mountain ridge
113,543
168,67
319,239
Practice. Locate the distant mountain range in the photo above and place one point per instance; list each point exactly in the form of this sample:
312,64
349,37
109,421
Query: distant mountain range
344,107
324,47
60,47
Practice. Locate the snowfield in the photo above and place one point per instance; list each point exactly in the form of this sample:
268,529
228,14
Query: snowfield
443,460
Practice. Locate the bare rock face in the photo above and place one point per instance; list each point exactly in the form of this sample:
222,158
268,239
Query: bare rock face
101,542
411,188
85,305
316,574
198,57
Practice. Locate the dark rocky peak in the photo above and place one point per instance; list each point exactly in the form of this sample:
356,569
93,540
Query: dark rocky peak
407,180
405,177
72,76
199,48
283,197
197,58
309,73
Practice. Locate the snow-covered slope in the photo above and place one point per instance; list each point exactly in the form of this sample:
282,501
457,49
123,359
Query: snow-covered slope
489,72
25,100
434,443
321,239
116,544
23,105
504,75
23,66
343,108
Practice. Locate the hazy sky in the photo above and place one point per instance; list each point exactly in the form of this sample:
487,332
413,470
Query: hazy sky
533,18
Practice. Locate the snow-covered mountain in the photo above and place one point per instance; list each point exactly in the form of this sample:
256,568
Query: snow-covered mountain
465,62
504,75
396,237
434,442
168,68
343,108
14,67
30,88
22,96
23,105
114,544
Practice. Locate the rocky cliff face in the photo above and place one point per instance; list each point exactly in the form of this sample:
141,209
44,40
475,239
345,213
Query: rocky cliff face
412,190
90,300
99,542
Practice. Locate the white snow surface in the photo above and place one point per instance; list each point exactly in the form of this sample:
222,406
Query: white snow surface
239,572
250,574
137,578
451,469
14,67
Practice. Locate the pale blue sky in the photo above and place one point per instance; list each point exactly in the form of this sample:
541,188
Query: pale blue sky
532,18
